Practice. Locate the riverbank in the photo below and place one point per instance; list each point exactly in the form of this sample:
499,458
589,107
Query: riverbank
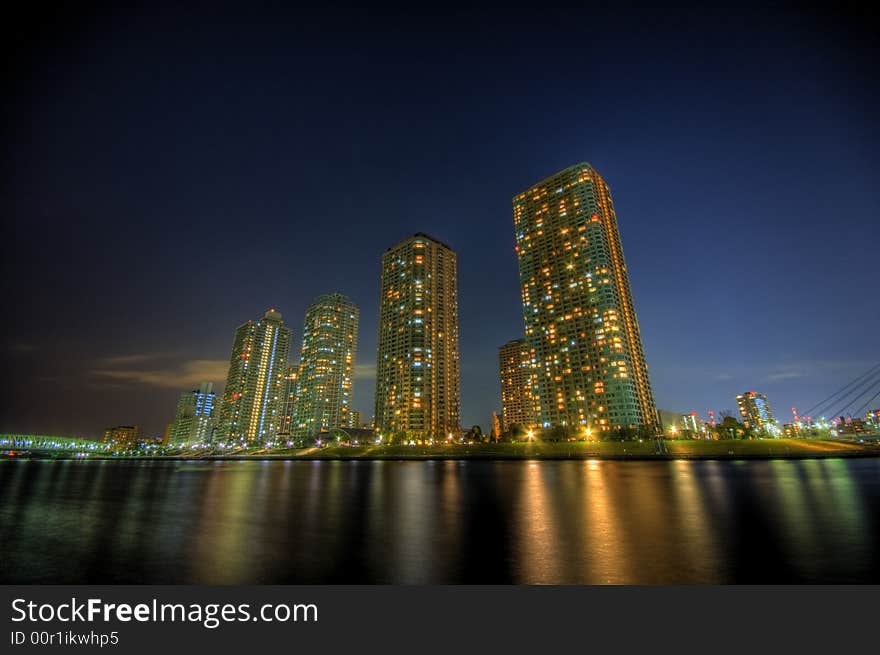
629,450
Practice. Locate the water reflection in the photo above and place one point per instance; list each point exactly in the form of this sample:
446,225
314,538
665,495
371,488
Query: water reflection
697,539
538,537
606,560
560,522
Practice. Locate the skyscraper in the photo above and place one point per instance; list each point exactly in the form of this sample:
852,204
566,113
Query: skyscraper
326,367
288,394
417,369
252,399
580,323
756,412
515,367
194,420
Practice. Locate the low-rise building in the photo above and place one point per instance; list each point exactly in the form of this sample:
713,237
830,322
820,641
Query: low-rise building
122,435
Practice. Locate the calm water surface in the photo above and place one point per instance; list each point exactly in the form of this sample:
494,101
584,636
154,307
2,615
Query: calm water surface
554,522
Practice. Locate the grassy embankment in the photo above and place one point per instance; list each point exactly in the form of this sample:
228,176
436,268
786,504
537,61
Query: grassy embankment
675,449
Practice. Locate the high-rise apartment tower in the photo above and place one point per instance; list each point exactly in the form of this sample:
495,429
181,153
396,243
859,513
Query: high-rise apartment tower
417,369
326,368
756,412
194,420
515,369
580,323
253,398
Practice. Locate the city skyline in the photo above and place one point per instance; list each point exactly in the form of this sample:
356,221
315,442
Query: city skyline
289,385
331,326
739,155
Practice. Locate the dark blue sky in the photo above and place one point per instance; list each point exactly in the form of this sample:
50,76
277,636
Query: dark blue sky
170,174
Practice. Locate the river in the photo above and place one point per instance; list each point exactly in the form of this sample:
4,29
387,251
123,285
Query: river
440,522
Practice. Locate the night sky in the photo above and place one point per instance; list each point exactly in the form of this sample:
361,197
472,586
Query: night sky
169,174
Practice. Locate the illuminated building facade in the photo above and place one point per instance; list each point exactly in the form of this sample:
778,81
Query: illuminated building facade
850,425
326,367
354,419
253,397
515,367
285,425
194,420
122,435
417,369
691,423
756,412
580,323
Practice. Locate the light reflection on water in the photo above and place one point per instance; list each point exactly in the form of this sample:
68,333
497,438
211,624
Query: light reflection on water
551,522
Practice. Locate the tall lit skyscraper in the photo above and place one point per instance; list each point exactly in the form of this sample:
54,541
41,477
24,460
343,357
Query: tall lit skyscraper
580,324
194,420
289,399
417,369
515,367
326,367
252,399
756,412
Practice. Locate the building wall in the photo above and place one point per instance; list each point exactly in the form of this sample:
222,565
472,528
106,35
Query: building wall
417,370
580,322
